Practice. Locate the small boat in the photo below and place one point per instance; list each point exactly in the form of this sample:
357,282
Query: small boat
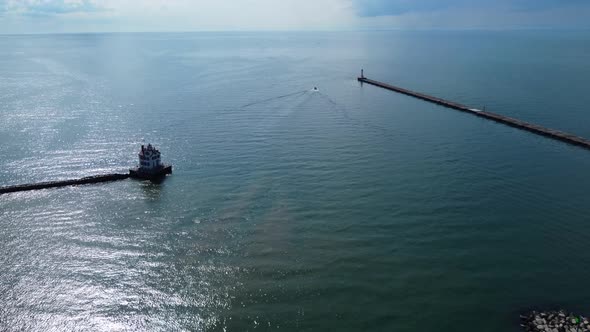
315,88
150,165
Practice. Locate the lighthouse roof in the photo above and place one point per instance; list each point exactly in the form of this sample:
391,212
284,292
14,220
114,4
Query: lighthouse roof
149,150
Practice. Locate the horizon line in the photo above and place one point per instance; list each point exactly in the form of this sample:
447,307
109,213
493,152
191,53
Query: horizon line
498,29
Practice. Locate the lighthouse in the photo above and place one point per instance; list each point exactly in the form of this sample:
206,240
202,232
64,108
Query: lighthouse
150,164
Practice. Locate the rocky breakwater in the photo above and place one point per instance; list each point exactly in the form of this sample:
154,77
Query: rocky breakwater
63,183
554,321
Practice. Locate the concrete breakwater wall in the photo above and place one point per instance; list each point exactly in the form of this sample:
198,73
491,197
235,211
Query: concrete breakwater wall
64,183
547,132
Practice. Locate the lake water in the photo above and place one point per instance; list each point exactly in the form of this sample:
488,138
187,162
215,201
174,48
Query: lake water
350,208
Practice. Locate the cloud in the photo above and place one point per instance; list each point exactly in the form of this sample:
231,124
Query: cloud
175,15
47,7
375,8
232,14
32,16
541,5
367,8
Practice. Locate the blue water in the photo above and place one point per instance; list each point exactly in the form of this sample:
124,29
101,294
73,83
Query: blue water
350,208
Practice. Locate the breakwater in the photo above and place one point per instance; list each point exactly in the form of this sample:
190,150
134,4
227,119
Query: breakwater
554,321
539,130
64,183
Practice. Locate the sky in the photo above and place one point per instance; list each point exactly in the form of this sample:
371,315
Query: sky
47,16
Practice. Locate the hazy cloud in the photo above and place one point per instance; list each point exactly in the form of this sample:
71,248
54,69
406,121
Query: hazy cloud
190,15
47,7
175,15
373,8
397,7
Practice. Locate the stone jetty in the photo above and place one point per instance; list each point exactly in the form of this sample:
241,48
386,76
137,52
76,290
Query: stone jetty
547,132
63,183
554,321
150,168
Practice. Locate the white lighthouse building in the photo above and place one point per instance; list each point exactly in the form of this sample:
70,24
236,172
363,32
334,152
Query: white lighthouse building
150,164
149,158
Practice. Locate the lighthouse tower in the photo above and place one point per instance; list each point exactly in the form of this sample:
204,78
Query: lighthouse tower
150,164
149,159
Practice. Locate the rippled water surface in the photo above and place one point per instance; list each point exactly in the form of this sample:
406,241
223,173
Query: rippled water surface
348,208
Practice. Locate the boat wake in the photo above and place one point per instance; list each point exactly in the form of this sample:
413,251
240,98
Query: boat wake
275,98
363,123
